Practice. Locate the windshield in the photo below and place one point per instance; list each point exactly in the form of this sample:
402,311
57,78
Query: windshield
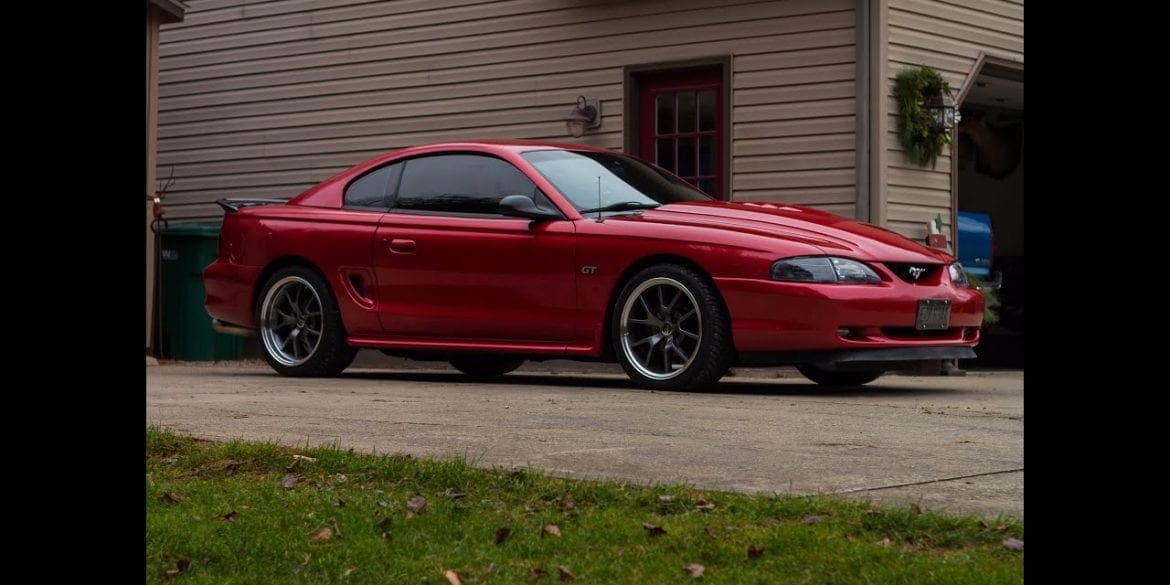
592,180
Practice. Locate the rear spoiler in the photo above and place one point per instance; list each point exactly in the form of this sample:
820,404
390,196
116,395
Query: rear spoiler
234,205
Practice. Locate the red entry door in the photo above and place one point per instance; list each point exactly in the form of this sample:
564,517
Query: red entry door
681,125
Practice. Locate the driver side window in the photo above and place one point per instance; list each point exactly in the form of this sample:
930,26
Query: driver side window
462,184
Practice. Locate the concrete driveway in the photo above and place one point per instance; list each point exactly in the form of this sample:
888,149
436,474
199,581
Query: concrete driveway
948,443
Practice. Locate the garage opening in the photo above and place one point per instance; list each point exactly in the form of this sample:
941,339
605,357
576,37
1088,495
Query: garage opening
989,170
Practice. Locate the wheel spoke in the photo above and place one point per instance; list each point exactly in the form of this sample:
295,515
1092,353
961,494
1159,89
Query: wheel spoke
677,294
679,352
649,313
687,315
687,333
665,358
654,339
661,299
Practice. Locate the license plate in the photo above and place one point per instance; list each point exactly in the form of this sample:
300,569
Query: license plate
933,314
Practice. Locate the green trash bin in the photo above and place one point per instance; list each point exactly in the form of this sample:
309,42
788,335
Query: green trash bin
186,334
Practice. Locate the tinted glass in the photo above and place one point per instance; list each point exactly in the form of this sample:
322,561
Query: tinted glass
594,179
373,188
460,183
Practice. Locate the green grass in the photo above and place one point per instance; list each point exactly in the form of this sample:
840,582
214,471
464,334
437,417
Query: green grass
805,539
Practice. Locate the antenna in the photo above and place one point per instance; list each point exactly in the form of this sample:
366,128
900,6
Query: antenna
598,198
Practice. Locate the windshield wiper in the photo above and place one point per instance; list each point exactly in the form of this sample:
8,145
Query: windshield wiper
622,206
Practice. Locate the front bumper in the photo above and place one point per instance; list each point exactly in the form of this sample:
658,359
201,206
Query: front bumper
862,359
770,316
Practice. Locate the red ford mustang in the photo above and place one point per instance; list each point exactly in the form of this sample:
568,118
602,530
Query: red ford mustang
486,254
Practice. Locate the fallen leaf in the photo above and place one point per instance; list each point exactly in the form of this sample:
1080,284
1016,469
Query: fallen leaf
410,514
304,458
340,503
1013,544
306,561
416,504
181,566
813,519
341,477
336,528
171,460
347,572
452,577
566,575
653,530
537,573
172,498
710,531
232,468
915,509
239,414
229,517
383,503
885,542
491,568
501,536
666,499
452,494
289,481
552,529
695,570
321,535
704,505
754,551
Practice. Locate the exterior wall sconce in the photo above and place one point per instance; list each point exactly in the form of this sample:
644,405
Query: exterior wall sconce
584,115
941,109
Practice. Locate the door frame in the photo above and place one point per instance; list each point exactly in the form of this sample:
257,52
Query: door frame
633,76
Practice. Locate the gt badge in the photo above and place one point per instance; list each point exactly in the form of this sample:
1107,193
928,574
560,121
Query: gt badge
588,269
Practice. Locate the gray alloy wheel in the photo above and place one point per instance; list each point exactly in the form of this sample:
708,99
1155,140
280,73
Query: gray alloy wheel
291,321
661,328
300,327
670,329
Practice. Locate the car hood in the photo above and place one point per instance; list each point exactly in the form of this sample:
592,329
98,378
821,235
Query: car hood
833,234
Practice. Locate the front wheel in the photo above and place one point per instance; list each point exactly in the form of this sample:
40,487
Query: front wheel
485,366
300,327
838,378
670,330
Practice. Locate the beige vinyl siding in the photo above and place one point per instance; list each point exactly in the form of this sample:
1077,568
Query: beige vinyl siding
267,99
947,35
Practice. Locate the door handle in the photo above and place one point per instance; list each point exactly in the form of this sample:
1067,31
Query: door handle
401,245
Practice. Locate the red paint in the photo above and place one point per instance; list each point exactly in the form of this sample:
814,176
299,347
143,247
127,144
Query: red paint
497,284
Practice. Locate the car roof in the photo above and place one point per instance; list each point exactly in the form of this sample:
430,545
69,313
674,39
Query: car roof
515,145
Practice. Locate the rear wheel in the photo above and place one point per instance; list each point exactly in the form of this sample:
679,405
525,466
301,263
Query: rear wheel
485,366
670,330
301,331
838,378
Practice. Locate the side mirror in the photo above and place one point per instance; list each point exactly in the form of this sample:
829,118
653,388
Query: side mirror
523,206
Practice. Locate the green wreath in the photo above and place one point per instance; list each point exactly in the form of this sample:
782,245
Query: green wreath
916,128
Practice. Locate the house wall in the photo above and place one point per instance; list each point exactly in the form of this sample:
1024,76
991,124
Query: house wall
947,35
268,98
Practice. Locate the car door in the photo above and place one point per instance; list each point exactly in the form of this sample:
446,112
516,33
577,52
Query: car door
450,267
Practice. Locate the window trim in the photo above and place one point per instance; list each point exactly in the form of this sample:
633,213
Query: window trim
388,197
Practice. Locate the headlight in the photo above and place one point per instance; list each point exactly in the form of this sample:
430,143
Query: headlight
823,269
958,275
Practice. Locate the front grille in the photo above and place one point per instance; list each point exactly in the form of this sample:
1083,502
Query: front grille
909,333
916,273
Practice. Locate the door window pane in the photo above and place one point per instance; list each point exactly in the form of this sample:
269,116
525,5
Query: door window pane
686,157
707,186
460,183
686,111
707,110
707,155
664,106
666,153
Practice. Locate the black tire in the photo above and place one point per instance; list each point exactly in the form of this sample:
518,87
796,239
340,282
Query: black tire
843,378
485,366
290,304
687,316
